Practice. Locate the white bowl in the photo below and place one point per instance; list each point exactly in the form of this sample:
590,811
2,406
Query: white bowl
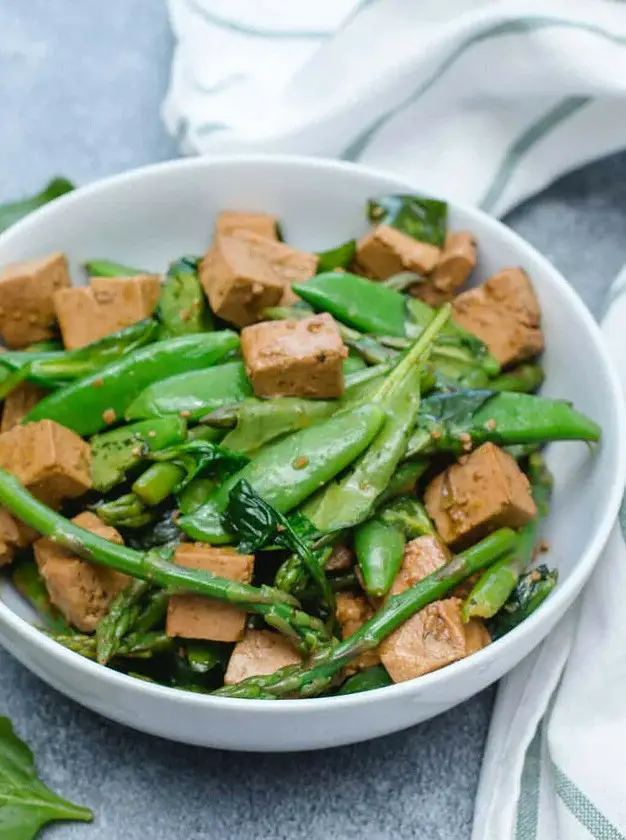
149,217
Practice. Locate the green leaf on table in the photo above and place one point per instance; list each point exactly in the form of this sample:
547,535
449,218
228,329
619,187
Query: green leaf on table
425,219
26,804
339,257
16,210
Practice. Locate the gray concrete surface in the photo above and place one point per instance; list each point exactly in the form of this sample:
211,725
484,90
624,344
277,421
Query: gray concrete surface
80,88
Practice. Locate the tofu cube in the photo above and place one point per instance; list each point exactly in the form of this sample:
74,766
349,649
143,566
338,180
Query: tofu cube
483,491
352,612
27,311
10,537
108,304
431,639
18,403
50,460
456,263
504,313
435,636
295,358
258,654
385,251
82,591
232,223
243,274
196,617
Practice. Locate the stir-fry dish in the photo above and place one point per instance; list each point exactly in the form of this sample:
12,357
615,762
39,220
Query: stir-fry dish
274,473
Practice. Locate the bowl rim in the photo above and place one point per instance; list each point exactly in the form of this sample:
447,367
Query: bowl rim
580,573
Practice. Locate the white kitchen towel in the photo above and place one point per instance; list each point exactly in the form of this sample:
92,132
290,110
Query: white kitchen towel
484,102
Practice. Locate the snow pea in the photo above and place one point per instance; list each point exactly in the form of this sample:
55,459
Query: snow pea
352,499
108,268
379,543
261,421
404,479
367,680
182,305
193,394
52,368
101,398
158,482
115,452
379,551
459,421
287,472
356,301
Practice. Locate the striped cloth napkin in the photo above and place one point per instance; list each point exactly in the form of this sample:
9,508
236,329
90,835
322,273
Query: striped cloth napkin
484,102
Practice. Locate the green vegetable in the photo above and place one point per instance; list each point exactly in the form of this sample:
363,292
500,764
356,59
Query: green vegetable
367,680
127,511
197,457
158,482
114,453
257,525
277,608
351,500
531,591
458,421
454,346
16,210
409,515
195,494
28,581
524,378
317,675
107,268
356,301
424,219
101,398
494,586
26,804
182,306
123,612
287,472
153,612
193,394
339,257
353,363
404,479
50,369
379,549
134,646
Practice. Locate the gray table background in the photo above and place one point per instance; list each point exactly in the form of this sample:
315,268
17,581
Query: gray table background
80,89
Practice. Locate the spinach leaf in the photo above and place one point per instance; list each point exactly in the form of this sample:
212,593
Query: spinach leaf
458,407
201,457
425,219
16,210
339,257
26,804
257,524
182,306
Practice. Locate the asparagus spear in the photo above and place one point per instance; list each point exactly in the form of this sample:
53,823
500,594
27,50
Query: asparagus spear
123,612
134,646
153,612
279,609
317,675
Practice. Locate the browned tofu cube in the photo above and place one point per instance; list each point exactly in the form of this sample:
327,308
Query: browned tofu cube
352,612
10,537
433,638
82,591
231,223
108,304
258,654
483,491
27,311
385,251
295,358
245,273
18,403
196,617
436,636
48,459
504,313
456,263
